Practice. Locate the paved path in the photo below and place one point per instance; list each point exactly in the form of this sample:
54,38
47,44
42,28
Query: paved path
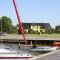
54,56
48,56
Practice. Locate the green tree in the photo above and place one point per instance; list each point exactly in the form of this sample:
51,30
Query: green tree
57,29
7,26
0,27
30,31
13,29
50,31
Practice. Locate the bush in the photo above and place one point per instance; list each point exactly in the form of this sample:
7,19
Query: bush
50,31
30,31
57,29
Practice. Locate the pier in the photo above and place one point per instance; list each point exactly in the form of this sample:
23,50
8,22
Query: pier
29,37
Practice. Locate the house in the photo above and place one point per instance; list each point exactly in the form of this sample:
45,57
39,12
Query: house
36,27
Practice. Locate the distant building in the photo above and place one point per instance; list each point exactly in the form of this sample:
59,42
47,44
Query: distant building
36,27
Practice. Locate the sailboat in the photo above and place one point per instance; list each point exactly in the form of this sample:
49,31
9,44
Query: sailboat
8,53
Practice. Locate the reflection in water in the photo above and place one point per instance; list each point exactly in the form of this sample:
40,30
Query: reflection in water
15,46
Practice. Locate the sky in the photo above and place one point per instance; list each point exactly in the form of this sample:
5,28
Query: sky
37,11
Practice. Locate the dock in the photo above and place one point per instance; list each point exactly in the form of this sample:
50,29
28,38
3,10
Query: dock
29,37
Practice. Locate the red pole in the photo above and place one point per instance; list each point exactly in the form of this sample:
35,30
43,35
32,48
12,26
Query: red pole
19,21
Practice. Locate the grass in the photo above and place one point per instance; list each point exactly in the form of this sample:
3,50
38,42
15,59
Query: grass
45,35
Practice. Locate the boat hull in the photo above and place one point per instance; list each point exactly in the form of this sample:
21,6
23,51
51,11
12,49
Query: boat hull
14,56
8,53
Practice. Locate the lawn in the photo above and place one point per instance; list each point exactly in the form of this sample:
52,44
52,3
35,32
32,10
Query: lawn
45,35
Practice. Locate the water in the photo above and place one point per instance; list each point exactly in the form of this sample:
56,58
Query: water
14,46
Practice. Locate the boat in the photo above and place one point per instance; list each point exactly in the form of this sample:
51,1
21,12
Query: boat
44,48
8,53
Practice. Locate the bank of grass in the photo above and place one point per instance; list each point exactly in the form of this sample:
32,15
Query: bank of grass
45,35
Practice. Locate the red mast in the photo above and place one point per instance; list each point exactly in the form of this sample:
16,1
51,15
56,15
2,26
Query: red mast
19,21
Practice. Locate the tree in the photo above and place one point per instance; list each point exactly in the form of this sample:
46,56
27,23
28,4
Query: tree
13,29
0,25
31,31
57,29
50,31
7,26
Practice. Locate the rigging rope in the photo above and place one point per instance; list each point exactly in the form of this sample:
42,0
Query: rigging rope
19,20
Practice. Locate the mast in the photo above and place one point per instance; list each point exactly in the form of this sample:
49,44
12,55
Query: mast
19,21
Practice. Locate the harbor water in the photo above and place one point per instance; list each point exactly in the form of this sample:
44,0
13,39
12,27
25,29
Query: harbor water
15,46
